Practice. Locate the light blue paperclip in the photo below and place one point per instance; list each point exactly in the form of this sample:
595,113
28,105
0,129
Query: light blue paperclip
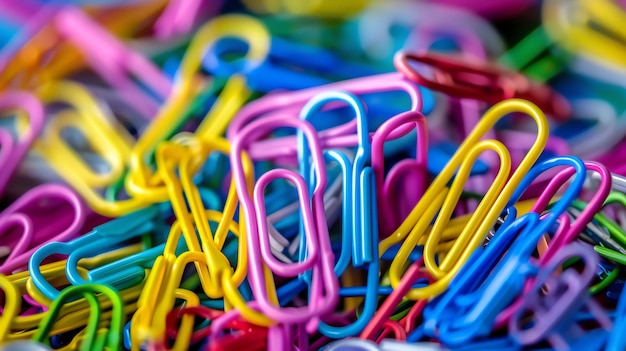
360,217
101,239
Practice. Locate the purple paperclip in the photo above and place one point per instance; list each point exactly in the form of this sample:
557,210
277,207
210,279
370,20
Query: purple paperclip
554,300
324,283
11,152
34,220
180,16
114,62
408,176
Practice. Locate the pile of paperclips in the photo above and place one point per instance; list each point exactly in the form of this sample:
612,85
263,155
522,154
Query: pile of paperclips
312,175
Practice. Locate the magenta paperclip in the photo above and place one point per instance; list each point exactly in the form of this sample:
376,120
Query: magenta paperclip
114,62
11,151
548,310
324,287
36,218
406,180
180,16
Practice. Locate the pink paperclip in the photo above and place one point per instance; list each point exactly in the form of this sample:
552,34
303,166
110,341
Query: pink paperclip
491,8
391,208
180,16
292,102
11,152
324,282
33,215
114,62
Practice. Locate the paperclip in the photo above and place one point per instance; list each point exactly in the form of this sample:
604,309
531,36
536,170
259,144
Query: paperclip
400,174
101,239
360,228
114,62
529,56
608,127
507,278
180,17
479,80
12,151
377,38
551,313
142,181
587,28
113,145
421,100
323,300
436,192
26,215
111,339
286,65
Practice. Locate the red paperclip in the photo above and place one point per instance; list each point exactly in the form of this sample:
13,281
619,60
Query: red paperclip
483,81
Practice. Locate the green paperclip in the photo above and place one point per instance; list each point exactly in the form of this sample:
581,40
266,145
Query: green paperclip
92,339
536,56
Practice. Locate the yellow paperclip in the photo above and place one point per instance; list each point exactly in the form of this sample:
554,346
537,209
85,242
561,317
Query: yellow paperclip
141,181
110,140
436,194
10,309
317,8
591,28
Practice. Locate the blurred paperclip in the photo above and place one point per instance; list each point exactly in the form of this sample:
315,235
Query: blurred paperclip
13,149
38,217
478,80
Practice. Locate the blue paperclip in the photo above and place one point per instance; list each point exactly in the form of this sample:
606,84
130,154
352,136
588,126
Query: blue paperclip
475,313
617,338
101,239
283,55
360,218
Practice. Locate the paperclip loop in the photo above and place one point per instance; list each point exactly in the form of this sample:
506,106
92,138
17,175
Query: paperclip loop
588,28
407,174
33,216
320,258
479,80
142,181
113,145
114,62
474,312
110,339
101,239
491,206
549,308
360,224
12,151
